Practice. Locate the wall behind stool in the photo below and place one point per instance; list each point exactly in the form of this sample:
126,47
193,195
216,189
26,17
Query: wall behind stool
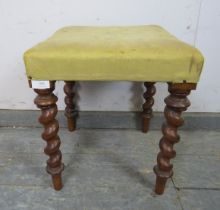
24,23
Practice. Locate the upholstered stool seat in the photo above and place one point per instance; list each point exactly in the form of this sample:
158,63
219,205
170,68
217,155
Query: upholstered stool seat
137,53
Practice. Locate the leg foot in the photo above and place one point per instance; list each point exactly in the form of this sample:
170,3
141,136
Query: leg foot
161,180
70,106
57,182
147,106
176,103
46,101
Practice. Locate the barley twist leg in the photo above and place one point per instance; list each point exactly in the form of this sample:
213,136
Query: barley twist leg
176,103
70,106
147,106
46,101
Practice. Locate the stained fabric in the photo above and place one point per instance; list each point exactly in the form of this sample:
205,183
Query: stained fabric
134,53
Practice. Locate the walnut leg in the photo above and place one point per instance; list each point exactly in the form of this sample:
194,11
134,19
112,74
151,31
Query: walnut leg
176,103
70,106
46,101
147,106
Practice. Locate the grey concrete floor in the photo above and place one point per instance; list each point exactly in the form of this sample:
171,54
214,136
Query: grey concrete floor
108,169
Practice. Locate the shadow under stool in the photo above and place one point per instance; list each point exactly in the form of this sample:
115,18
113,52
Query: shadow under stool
146,54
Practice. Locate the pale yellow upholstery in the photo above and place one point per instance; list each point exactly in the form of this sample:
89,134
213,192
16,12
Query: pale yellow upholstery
137,53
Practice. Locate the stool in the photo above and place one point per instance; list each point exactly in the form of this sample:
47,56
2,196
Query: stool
146,54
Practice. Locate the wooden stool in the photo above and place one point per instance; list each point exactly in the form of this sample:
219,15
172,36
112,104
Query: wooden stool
139,53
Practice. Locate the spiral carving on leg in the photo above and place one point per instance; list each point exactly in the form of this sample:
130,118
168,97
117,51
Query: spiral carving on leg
70,106
176,103
147,106
46,101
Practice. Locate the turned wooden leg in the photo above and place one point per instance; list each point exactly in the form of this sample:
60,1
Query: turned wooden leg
46,101
176,103
70,111
147,106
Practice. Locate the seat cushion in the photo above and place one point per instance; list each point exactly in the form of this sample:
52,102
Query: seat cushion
136,53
